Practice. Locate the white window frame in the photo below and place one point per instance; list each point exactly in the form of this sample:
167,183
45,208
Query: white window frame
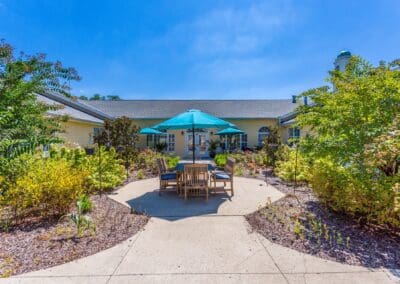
263,133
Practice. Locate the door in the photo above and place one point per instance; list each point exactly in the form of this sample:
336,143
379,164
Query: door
201,145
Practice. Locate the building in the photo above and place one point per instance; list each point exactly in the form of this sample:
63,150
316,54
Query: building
255,117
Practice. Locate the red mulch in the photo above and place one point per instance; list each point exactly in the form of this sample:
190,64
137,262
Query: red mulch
37,245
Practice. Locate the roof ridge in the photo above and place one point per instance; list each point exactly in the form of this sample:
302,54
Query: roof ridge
88,109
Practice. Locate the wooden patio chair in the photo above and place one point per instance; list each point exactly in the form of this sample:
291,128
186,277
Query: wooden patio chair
166,178
195,180
224,176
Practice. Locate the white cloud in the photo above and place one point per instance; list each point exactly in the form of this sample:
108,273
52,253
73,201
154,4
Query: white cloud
234,30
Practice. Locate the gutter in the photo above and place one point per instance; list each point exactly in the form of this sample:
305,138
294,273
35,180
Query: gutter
78,106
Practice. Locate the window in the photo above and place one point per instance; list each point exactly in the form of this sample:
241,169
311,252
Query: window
96,132
263,133
244,141
168,139
171,143
294,132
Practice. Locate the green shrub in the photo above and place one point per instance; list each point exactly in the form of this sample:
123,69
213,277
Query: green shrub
147,160
356,193
140,174
285,167
220,160
105,170
172,161
84,204
48,187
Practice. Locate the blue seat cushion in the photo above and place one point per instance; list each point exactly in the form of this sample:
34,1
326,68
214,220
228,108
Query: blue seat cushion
168,176
222,176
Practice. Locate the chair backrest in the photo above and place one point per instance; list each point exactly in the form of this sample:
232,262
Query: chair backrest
164,164
161,166
230,165
195,174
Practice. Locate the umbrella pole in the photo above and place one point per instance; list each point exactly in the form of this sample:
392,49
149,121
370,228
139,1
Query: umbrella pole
193,145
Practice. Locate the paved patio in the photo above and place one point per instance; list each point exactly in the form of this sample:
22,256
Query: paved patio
199,242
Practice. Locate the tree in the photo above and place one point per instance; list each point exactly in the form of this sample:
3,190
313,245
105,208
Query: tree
23,119
362,107
122,134
354,141
98,97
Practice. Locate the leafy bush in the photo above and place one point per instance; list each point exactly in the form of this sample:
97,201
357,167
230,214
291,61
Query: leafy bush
172,161
48,187
286,165
84,204
357,193
220,160
106,171
147,160
140,174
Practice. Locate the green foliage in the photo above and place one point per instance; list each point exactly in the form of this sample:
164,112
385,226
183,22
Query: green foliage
122,134
105,170
98,97
271,146
140,174
160,147
23,119
286,165
172,161
220,160
47,188
84,204
82,221
147,159
354,141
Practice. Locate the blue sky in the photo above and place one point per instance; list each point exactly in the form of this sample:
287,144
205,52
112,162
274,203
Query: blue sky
201,49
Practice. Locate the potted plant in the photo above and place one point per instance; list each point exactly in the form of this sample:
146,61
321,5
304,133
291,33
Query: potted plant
212,148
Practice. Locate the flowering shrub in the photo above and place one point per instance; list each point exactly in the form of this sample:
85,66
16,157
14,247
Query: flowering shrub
48,187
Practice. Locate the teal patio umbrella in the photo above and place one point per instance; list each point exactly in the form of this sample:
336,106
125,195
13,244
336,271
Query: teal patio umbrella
193,119
150,131
229,132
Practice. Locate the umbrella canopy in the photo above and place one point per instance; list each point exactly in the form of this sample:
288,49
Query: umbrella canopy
229,131
193,119
149,131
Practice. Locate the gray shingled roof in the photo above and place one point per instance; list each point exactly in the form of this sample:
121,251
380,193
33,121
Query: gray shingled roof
67,110
146,109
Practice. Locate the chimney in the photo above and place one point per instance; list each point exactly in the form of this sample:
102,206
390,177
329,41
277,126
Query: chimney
305,101
294,99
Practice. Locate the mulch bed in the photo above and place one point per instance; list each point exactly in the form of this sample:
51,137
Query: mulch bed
299,221
45,243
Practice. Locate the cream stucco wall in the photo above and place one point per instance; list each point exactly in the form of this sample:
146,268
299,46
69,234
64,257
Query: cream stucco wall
78,133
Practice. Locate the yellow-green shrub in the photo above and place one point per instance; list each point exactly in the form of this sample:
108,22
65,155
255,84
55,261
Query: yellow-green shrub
105,171
48,187
356,193
286,166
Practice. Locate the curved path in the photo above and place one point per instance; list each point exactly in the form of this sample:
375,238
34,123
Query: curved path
199,242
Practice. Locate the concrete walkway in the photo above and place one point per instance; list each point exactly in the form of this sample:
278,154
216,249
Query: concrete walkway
198,242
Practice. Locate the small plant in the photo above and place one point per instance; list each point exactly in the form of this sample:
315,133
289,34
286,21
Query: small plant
84,203
348,242
339,239
220,160
81,221
140,174
297,228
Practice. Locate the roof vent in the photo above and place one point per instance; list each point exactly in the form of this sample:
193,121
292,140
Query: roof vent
305,100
